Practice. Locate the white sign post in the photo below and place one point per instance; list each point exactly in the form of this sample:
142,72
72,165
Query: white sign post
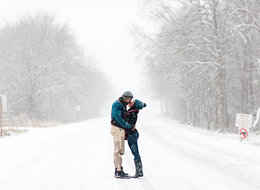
4,103
3,108
1,118
244,123
77,111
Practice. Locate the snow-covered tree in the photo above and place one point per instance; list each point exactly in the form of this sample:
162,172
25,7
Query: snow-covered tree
206,55
44,72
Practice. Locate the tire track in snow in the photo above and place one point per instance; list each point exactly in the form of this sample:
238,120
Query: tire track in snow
26,161
143,181
55,163
47,156
192,153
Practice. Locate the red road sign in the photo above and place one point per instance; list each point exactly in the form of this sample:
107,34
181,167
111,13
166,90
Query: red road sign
243,133
244,120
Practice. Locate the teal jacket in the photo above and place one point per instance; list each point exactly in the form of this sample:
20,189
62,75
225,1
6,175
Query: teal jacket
118,113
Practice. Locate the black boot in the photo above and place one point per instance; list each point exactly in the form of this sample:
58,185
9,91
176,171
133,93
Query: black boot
121,170
121,174
124,172
138,169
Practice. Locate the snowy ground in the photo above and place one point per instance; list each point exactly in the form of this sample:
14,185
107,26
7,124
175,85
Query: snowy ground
175,157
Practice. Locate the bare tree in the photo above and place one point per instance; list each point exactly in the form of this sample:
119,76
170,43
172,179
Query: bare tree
44,71
207,58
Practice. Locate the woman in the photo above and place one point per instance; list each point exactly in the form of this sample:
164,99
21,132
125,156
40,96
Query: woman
132,135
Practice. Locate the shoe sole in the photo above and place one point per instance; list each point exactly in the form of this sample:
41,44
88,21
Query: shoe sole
127,177
138,176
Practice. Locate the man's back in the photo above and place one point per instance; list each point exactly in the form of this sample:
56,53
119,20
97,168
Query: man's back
118,113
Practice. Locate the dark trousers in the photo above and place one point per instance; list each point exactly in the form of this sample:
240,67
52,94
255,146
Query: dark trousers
132,142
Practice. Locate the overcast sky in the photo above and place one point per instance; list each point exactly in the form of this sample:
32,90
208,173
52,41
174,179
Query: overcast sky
101,26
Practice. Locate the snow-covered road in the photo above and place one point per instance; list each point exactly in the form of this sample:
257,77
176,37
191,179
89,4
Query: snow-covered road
175,157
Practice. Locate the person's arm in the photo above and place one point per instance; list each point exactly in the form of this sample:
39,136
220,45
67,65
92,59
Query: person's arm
118,117
139,104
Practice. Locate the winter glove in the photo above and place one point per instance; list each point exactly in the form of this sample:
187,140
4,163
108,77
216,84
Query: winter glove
139,105
133,128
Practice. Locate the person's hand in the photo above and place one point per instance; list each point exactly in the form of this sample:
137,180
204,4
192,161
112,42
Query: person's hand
131,103
133,128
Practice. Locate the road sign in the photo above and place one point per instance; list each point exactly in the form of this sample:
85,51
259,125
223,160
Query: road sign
243,133
244,120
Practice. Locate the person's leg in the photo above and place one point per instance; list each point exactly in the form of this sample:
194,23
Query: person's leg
119,146
132,142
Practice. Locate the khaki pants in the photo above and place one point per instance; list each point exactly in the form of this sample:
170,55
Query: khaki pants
119,145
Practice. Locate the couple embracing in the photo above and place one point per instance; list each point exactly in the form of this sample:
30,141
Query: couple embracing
123,128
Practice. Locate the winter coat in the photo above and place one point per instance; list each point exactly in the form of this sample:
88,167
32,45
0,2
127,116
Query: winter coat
131,115
118,113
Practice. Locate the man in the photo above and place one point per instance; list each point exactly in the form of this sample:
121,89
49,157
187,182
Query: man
118,131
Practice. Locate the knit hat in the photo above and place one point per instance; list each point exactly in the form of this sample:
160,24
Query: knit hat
127,95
